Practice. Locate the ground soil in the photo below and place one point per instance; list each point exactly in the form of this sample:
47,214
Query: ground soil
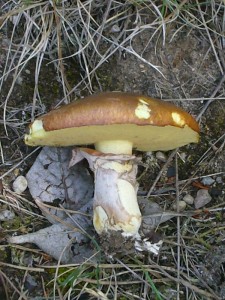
189,74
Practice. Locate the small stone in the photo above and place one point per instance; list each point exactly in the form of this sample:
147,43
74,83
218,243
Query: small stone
188,199
15,19
19,80
20,184
30,283
6,215
207,181
219,179
171,172
215,192
115,28
149,154
182,205
202,198
161,156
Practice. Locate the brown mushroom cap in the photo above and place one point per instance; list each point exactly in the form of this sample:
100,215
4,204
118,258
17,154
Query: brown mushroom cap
149,124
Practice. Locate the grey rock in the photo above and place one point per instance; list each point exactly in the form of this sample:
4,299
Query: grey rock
161,156
207,181
6,215
20,184
188,199
202,198
50,178
182,205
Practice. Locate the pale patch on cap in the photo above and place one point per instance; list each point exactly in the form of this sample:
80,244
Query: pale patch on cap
177,119
142,111
37,125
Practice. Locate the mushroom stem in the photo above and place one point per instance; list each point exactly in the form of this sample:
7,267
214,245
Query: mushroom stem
115,147
115,198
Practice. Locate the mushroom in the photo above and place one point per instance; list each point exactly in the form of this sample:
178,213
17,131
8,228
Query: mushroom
115,122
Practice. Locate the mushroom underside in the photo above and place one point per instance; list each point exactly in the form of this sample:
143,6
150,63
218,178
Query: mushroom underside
143,138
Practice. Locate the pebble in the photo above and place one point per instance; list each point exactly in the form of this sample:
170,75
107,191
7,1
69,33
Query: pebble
219,179
202,198
30,283
161,156
188,199
20,184
19,80
171,172
182,205
207,181
115,28
215,192
6,215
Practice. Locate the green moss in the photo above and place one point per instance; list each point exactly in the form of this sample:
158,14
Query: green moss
3,254
17,223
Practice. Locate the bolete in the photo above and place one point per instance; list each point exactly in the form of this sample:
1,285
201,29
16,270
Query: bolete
115,122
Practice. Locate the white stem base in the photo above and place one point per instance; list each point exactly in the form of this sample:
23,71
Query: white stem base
115,198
